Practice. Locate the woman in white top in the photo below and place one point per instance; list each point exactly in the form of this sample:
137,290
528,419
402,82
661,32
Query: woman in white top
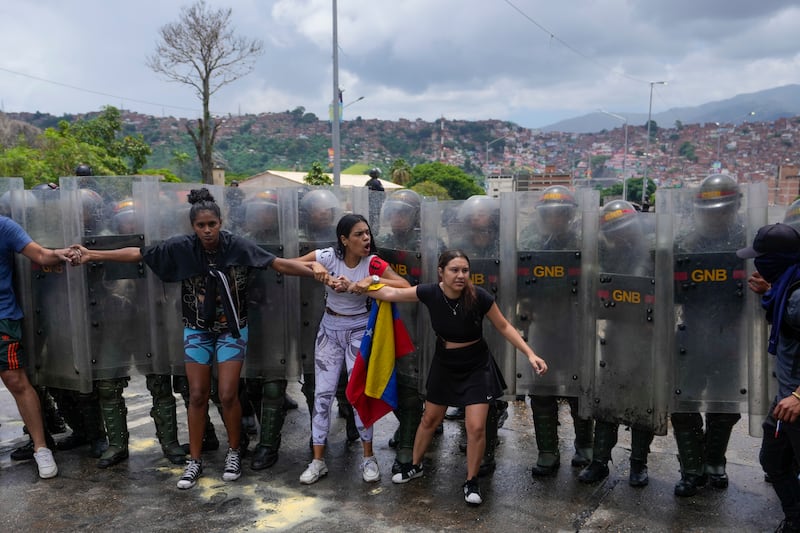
353,267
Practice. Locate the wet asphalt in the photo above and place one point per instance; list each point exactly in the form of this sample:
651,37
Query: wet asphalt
140,494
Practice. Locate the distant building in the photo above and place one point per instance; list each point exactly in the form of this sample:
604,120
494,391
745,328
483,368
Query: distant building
526,181
269,179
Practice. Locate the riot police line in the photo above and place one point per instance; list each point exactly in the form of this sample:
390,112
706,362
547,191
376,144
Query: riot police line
638,315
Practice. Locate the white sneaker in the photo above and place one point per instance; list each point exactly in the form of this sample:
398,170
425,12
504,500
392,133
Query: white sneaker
369,470
316,469
46,463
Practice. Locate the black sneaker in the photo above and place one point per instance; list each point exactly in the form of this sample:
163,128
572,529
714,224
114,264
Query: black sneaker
407,472
472,492
233,465
24,452
194,469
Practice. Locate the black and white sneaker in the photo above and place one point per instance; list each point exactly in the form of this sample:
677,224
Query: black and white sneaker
472,492
194,469
407,472
233,465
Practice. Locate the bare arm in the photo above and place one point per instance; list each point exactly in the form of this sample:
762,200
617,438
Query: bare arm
389,277
45,256
512,335
295,267
130,254
395,294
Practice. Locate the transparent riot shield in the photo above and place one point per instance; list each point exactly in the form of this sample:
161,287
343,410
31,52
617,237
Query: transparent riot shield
628,361
166,208
318,211
712,318
552,297
107,217
398,239
259,213
55,325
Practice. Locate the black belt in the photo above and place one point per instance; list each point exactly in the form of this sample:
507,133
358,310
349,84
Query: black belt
334,313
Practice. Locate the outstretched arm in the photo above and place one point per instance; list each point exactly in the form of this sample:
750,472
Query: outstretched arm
299,267
84,255
395,294
46,256
512,335
389,278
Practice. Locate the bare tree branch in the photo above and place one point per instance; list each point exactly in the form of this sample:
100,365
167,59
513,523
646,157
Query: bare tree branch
202,51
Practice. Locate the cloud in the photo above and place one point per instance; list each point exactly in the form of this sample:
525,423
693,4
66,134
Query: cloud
522,60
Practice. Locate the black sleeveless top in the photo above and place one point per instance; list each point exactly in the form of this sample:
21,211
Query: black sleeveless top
449,319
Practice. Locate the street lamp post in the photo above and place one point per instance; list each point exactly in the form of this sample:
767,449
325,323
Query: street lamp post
335,137
625,160
647,146
488,144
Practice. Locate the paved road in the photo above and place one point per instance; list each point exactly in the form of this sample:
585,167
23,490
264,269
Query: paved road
140,494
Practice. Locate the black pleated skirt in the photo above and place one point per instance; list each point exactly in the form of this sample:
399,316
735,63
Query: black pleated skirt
463,376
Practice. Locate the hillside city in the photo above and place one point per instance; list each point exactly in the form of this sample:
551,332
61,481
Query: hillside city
678,153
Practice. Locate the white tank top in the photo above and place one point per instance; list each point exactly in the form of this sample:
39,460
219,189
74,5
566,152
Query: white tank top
343,302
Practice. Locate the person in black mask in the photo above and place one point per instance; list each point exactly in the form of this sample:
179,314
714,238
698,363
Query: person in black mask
776,253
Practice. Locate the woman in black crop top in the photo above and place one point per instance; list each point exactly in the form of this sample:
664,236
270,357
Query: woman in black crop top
463,372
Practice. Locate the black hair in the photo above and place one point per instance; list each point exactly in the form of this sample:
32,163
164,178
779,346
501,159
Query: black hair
345,226
470,297
202,200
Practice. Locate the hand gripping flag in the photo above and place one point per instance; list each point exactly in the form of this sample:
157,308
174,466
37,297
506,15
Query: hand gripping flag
372,388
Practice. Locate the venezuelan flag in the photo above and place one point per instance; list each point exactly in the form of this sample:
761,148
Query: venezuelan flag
372,388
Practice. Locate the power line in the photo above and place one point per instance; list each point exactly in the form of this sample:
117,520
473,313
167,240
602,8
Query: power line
99,93
569,47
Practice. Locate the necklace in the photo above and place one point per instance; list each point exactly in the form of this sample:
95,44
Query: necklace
447,302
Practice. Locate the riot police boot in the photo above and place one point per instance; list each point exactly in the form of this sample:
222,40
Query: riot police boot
690,457
640,449
596,471
115,417
454,413
71,441
638,476
718,433
165,417
266,453
584,440
545,426
409,413
95,429
288,403
488,464
53,421
346,411
210,440
394,438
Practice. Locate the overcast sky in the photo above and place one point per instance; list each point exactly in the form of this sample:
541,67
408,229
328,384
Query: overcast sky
533,62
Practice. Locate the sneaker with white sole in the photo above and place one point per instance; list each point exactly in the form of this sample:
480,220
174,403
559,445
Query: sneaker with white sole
316,469
407,472
233,465
194,470
472,492
369,470
46,463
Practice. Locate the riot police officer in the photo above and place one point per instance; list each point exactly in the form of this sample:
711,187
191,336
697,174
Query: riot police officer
401,213
792,215
716,230
625,256
555,230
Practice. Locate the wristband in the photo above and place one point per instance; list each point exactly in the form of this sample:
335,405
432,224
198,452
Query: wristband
794,393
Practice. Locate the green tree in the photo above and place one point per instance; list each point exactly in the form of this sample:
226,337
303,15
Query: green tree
400,172
317,176
653,129
459,184
201,50
180,158
431,189
687,150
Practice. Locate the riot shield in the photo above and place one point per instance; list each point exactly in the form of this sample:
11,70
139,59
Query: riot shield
318,211
166,214
552,298
628,361
115,293
55,326
398,241
259,212
712,322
